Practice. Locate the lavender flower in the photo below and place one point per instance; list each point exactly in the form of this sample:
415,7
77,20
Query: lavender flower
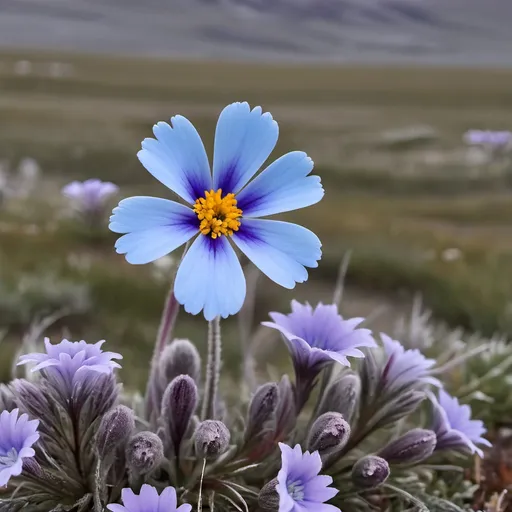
149,501
223,205
73,360
496,139
454,427
316,338
300,487
90,197
404,368
17,435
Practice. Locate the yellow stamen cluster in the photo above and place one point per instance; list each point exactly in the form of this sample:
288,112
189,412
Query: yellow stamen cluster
218,215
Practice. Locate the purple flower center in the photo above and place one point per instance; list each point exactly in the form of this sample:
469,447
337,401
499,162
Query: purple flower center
9,458
296,490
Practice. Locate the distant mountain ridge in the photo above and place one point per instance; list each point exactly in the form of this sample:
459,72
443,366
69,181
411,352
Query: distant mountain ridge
445,32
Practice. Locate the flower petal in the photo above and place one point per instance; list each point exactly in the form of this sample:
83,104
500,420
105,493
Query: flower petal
154,227
282,187
244,139
279,249
210,278
167,500
177,158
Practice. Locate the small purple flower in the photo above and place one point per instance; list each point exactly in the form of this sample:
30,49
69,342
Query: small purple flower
149,501
316,337
90,196
300,487
73,359
404,368
491,138
454,427
17,435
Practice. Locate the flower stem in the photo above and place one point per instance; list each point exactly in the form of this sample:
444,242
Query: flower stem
212,369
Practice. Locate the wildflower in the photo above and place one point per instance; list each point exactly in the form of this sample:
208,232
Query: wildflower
300,487
454,427
221,207
90,197
72,360
316,338
17,436
491,138
404,368
149,500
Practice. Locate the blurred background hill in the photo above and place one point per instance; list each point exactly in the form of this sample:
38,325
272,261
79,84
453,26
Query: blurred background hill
448,32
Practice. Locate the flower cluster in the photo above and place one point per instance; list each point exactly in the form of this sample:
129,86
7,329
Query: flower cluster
81,444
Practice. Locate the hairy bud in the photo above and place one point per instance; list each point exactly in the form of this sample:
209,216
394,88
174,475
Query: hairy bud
370,471
329,434
31,467
411,448
211,439
115,429
178,405
261,410
268,499
342,396
144,452
179,358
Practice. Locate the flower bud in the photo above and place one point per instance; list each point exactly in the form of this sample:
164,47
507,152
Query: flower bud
261,410
144,452
370,471
211,439
329,434
179,358
115,429
178,406
31,467
342,396
413,447
268,499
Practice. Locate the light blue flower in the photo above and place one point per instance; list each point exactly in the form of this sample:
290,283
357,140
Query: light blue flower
221,206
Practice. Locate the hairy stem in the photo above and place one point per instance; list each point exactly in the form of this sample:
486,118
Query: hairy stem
212,369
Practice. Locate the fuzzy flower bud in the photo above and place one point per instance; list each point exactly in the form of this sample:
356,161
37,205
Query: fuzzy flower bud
179,358
413,447
268,499
261,410
329,434
178,406
211,439
144,452
370,471
115,429
342,396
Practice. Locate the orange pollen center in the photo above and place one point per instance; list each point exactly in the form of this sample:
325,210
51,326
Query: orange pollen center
218,215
